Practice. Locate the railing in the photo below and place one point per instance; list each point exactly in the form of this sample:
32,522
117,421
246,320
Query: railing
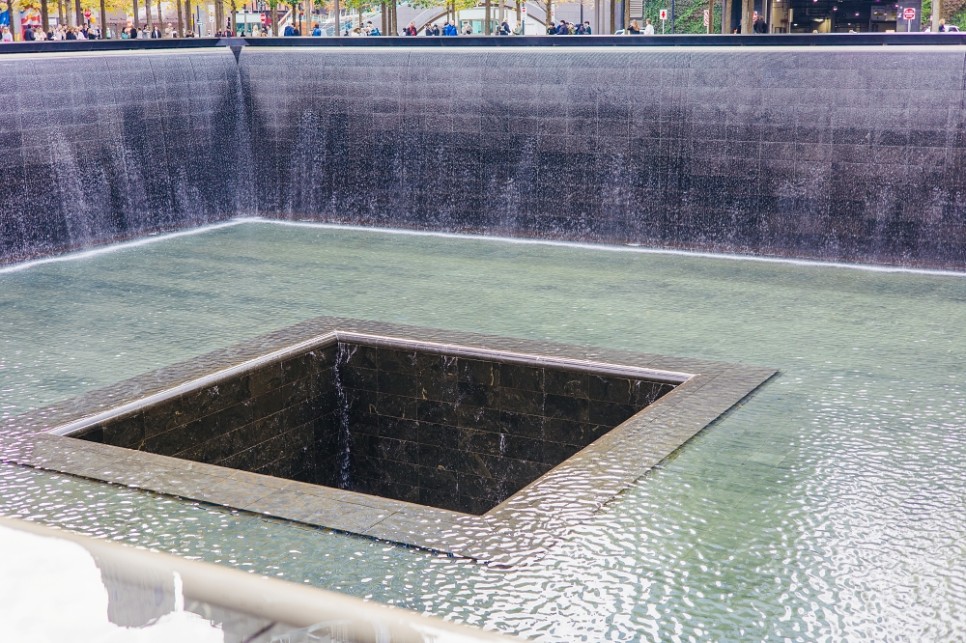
702,40
288,611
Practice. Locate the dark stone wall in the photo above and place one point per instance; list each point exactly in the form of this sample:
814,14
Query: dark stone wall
95,148
465,434
834,153
273,420
840,154
439,430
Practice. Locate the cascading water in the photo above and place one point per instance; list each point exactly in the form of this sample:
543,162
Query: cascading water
343,355
511,141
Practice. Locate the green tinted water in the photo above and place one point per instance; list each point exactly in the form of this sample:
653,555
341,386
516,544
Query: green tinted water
830,504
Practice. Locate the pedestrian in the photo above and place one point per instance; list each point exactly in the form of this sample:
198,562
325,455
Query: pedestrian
633,29
316,30
760,25
648,27
6,36
411,29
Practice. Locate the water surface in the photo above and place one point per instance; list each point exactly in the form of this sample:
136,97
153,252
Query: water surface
830,504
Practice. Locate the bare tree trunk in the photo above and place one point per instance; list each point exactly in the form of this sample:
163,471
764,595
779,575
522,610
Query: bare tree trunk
135,4
219,15
337,9
188,18
234,18
44,16
710,28
160,18
275,19
14,24
180,19
937,10
78,13
747,9
487,16
627,15
103,20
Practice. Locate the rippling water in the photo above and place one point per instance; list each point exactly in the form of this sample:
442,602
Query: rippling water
831,504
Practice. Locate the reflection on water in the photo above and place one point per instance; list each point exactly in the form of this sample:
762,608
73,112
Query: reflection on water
827,505
52,590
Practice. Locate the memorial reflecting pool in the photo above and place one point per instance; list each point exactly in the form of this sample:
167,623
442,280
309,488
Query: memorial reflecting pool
828,504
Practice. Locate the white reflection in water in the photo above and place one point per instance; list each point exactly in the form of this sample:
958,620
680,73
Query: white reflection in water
51,590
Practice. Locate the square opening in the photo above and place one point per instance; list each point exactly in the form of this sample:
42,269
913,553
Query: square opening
450,427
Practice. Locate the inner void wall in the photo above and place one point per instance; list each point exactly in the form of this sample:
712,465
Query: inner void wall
830,153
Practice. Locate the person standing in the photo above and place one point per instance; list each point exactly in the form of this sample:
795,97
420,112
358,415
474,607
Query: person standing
760,25
648,27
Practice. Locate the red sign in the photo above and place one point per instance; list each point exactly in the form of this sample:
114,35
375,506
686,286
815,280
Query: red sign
663,14
87,13
909,13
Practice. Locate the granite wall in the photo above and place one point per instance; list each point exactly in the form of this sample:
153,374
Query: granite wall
116,145
440,430
839,154
833,153
273,419
465,434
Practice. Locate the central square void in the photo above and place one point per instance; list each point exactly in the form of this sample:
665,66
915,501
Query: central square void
445,426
